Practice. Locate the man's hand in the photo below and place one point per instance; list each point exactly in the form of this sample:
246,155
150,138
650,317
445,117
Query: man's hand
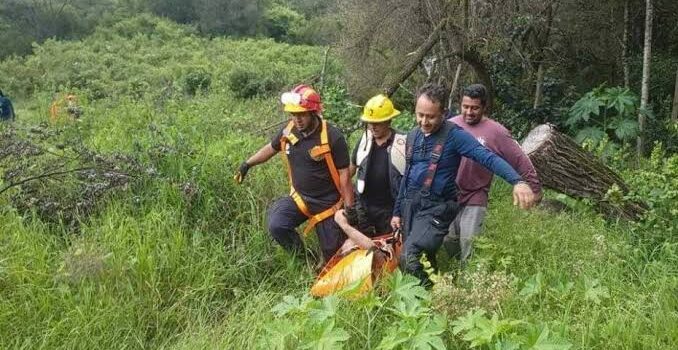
523,196
242,171
395,223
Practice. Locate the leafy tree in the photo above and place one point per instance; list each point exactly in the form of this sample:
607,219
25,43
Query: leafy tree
280,21
228,17
177,10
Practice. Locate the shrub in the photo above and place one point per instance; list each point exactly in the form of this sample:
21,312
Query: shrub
280,21
338,107
248,83
197,80
656,184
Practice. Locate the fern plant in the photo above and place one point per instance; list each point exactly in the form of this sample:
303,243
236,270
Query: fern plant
402,307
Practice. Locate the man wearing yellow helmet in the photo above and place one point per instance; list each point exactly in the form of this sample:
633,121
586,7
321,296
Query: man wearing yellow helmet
379,160
317,160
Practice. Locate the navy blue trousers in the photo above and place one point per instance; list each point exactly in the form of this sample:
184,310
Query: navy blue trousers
424,221
283,219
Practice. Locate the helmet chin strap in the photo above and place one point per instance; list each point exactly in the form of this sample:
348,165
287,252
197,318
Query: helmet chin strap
315,121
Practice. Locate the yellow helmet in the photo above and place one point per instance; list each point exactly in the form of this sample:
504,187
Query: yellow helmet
379,109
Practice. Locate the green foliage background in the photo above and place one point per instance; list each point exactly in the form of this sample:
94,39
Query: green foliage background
182,259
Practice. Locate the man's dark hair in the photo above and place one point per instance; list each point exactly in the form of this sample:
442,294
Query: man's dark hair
436,93
1,94
476,92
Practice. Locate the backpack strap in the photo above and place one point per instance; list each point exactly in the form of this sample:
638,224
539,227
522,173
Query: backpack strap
409,149
436,153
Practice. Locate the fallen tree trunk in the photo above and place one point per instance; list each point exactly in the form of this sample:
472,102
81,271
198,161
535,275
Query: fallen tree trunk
565,167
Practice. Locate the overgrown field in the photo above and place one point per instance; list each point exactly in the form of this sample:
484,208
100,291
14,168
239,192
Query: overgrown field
154,246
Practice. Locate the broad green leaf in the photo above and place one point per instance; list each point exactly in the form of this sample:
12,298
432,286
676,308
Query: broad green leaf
467,322
406,288
583,109
544,342
428,334
592,133
624,129
327,308
594,291
410,310
280,334
482,334
561,288
484,331
533,286
288,305
330,338
622,100
394,339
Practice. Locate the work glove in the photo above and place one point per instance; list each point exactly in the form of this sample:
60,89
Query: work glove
242,171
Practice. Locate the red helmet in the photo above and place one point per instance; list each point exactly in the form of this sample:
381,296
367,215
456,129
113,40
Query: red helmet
302,98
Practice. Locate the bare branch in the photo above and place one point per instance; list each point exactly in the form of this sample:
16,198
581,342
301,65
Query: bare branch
41,176
391,86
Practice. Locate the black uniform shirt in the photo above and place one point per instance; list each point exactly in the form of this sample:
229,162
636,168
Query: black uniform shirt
311,177
377,184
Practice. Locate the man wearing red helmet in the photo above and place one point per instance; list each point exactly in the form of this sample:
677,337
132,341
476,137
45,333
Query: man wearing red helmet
317,159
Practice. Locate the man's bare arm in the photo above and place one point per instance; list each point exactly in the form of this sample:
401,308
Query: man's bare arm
263,154
356,236
346,186
352,170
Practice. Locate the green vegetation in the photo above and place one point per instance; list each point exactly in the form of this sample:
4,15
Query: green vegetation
178,256
295,21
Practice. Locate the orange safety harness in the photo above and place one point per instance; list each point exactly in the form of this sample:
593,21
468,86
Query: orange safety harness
323,150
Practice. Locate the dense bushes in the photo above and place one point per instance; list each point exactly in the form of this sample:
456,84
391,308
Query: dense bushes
656,183
247,83
197,80
146,55
22,22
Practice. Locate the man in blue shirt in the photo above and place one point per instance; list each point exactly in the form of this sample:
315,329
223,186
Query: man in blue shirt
427,197
6,109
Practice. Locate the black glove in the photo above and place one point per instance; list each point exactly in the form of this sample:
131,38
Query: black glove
242,171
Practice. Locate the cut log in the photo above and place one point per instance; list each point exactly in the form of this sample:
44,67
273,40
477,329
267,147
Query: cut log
565,167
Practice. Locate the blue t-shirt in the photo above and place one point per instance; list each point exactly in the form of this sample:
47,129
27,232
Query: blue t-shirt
459,143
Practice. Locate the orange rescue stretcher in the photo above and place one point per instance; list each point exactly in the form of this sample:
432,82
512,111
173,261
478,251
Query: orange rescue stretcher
349,266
